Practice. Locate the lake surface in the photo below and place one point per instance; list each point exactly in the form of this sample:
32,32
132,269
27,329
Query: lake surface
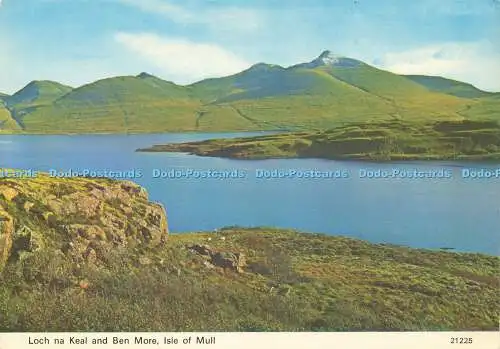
459,213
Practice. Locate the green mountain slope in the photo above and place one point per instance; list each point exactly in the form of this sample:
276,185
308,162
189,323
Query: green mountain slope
449,86
37,93
252,79
409,99
331,90
265,81
128,103
126,89
484,108
272,97
326,92
7,123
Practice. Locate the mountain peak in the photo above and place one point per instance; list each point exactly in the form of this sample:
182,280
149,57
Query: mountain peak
329,59
145,75
37,90
263,67
41,83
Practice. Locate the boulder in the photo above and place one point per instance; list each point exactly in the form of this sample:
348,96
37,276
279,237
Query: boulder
26,240
229,260
203,250
223,259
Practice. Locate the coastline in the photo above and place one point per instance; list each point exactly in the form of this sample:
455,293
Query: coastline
376,141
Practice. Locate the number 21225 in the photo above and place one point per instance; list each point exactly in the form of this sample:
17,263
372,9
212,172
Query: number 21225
461,340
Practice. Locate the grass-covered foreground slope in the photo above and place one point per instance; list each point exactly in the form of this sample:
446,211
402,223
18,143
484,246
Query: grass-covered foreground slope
323,93
94,255
392,140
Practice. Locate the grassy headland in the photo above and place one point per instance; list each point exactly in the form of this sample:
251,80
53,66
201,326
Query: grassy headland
94,255
394,140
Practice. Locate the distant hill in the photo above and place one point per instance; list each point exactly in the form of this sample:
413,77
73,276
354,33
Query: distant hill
121,90
141,103
448,86
37,93
329,90
34,95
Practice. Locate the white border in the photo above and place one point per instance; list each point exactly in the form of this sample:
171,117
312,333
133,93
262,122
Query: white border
303,340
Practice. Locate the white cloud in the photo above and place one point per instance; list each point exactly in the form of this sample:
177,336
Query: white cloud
174,12
180,60
227,18
476,63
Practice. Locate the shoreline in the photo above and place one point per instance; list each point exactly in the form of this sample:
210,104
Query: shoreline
431,159
376,141
312,234
112,133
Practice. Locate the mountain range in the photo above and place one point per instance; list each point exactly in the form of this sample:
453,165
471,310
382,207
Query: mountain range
325,92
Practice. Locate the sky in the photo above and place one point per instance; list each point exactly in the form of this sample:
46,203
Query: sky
79,41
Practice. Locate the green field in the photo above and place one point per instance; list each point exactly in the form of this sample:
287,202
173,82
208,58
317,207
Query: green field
96,253
264,97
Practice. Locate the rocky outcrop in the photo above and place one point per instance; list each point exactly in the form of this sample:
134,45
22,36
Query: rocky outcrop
82,217
235,261
6,236
203,250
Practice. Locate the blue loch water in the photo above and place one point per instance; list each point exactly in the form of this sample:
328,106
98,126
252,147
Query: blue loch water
445,209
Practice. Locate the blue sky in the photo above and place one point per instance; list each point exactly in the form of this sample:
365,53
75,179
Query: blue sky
79,41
